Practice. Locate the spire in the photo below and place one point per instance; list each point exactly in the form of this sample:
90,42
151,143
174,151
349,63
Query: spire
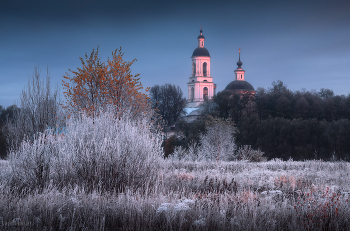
201,39
239,63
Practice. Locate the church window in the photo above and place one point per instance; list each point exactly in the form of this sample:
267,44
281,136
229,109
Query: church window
241,76
204,69
205,93
192,93
194,68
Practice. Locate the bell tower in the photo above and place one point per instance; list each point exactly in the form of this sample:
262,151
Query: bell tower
200,85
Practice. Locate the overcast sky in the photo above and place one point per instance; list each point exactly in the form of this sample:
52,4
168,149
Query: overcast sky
305,44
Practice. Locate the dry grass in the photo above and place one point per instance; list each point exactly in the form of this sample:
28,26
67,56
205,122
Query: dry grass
274,195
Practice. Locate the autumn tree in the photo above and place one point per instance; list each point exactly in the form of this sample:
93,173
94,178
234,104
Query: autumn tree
98,85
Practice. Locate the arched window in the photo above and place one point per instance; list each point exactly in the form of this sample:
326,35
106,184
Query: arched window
205,93
192,94
204,69
194,69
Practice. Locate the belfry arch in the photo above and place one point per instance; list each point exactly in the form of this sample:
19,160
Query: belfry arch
205,69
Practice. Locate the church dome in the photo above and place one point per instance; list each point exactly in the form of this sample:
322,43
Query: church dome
239,85
201,51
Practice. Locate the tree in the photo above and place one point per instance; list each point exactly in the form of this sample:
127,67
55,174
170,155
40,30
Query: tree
169,101
5,116
326,93
218,141
301,108
283,107
39,110
278,88
224,102
234,105
98,85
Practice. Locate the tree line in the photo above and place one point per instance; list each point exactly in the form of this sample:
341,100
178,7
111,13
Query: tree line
280,122
290,124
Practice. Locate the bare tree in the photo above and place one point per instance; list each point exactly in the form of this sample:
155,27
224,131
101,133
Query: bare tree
168,99
218,141
39,110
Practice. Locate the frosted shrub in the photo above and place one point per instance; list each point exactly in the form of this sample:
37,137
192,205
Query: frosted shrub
218,142
179,153
31,162
164,207
189,154
247,153
181,207
100,153
5,169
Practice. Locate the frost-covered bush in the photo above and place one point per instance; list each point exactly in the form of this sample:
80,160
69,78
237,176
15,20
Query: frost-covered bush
32,162
189,154
247,153
5,169
101,153
218,142
39,108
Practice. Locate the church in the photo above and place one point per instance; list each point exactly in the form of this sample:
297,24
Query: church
201,86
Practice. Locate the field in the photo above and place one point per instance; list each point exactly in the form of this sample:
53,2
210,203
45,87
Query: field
108,174
273,195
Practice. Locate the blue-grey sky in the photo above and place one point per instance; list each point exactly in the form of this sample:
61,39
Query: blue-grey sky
304,43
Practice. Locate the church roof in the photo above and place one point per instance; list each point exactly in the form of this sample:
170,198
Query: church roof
239,85
201,51
192,111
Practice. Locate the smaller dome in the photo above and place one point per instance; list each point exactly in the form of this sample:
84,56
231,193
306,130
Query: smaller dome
239,85
201,36
200,51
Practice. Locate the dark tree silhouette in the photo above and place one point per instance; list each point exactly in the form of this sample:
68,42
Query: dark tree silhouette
169,101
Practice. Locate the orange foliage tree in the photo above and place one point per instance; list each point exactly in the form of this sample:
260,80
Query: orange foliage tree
99,85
